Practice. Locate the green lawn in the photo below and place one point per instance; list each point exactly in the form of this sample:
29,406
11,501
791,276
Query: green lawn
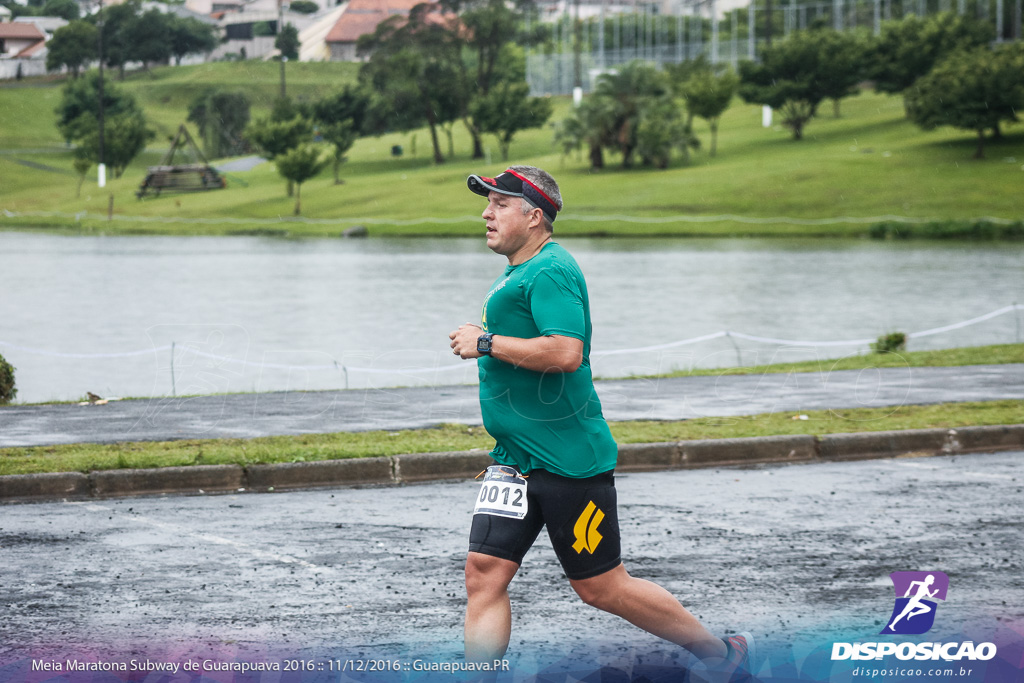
453,437
869,163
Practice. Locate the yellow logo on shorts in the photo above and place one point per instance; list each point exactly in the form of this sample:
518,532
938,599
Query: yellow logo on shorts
585,530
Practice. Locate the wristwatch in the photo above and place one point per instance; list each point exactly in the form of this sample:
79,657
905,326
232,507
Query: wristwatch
483,343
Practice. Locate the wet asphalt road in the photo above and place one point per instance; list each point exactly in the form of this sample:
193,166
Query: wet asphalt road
251,415
788,552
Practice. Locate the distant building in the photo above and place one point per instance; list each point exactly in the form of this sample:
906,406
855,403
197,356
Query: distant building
45,24
19,40
360,18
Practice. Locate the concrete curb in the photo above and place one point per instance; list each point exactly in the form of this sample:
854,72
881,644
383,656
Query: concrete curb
418,467
293,475
432,466
192,479
48,486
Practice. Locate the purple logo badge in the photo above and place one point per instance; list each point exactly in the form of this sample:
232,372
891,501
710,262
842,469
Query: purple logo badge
916,593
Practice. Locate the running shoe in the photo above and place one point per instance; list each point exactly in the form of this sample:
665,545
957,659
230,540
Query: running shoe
739,662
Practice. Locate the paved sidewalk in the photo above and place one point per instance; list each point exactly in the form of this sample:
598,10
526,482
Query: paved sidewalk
252,415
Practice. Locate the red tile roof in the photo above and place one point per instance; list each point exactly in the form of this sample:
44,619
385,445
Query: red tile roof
31,49
362,16
17,30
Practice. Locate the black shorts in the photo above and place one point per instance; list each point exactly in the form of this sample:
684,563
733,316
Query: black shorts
582,520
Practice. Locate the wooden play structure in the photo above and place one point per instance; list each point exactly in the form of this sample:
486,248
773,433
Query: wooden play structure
172,177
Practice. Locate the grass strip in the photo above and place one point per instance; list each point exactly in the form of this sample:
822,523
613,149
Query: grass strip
997,354
454,437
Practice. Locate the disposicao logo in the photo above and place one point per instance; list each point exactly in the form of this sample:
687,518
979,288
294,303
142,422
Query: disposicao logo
914,614
916,595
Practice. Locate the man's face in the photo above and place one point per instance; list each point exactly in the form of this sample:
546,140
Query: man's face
507,226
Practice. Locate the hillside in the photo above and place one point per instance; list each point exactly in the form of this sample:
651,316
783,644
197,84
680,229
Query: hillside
869,163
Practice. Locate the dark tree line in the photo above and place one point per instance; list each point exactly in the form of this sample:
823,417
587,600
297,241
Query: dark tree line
129,35
945,66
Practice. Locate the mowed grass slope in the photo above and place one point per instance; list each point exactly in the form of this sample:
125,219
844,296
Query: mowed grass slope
870,162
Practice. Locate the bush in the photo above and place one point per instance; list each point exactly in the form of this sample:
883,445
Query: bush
979,230
305,7
7,389
890,343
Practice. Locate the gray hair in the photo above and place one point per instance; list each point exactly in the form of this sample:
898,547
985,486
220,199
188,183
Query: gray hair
547,185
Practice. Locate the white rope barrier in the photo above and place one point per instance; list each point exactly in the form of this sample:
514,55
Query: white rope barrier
58,354
967,323
660,347
796,342
599,218
183,350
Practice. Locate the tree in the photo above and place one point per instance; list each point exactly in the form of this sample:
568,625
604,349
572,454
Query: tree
708,95
415,69
659,130
486,28
974,90
790,78
341,136
590,124
341,118
626,93
299,165
276,138
65,9
80,101
907,49
81,164
842,64
71,46
191,36
508,109
118,23
150,38
287,42
124,135
351,103
221,117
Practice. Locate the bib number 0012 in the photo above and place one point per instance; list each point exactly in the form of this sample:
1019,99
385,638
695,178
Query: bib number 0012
502,494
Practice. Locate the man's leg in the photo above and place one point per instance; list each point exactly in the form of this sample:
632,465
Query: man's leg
650,607
488,610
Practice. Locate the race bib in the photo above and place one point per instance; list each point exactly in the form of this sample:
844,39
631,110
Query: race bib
502,494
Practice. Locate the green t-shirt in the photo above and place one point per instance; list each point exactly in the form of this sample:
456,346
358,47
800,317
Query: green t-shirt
550,421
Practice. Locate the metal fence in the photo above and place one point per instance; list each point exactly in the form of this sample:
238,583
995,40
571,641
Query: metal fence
697,28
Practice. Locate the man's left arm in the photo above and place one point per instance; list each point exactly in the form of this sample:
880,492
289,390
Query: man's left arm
550,353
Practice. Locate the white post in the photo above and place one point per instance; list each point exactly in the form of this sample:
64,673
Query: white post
766,116
102,175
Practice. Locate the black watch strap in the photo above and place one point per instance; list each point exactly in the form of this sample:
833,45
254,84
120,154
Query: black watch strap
483,343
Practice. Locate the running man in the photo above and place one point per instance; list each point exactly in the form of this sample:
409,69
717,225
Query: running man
555,456
914,606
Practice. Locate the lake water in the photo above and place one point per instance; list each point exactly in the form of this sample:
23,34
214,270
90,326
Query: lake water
263,314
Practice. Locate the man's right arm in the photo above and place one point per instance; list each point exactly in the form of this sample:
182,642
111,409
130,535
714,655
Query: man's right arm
552,353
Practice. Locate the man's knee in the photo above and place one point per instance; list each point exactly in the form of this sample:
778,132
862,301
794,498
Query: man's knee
602,591
591,595
487,574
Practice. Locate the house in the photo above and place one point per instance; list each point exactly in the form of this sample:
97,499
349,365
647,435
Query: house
45,24
19,40
359,18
